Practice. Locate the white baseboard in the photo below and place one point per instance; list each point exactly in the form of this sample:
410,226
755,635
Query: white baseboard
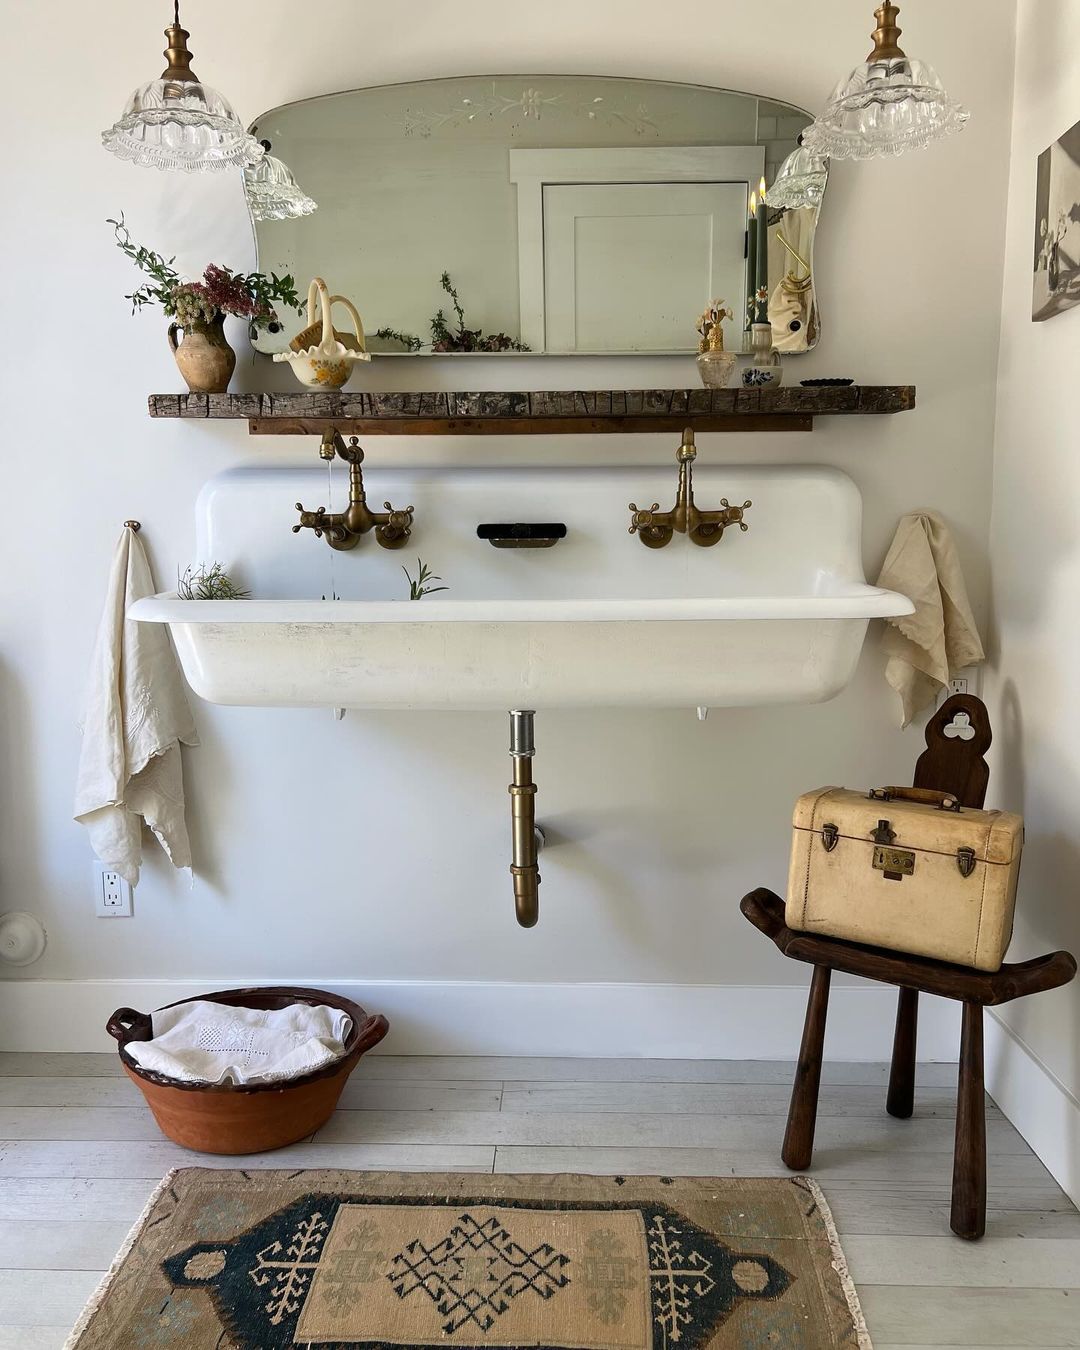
1040,1106
664,1021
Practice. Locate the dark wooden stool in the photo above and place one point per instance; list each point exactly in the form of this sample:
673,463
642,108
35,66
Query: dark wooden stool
950,763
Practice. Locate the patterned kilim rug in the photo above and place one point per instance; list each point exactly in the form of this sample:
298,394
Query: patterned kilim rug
233,1260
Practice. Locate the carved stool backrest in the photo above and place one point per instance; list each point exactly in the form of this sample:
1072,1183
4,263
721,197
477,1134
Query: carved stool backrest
957,738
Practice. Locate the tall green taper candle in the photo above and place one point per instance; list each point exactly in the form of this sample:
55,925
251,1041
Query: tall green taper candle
761,314
751,262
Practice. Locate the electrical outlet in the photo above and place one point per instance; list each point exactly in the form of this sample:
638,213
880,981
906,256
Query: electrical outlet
965,681
112,894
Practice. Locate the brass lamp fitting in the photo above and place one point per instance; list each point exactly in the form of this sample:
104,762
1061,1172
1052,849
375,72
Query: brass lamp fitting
887,35
655,528
344,530
177,53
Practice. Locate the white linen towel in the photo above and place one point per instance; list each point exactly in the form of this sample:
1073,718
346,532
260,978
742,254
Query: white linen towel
137,716
940,637
202,1042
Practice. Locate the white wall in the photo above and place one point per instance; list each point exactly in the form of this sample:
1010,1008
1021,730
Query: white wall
377,848
1035,657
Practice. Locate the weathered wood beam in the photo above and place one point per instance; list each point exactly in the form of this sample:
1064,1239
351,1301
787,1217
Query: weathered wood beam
590,411
520,426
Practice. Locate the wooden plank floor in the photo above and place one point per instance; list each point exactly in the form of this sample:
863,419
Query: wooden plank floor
80,1154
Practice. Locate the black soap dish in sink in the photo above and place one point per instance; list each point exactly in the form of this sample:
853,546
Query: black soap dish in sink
521,534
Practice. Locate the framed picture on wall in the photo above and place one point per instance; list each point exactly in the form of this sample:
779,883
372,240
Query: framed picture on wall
1057,228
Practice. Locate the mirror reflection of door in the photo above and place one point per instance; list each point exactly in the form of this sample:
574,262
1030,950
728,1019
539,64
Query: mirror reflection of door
621,248
629,266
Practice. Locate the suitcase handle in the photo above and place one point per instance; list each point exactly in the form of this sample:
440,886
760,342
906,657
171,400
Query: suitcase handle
944,801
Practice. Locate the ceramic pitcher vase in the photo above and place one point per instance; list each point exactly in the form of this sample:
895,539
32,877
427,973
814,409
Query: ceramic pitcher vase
205,359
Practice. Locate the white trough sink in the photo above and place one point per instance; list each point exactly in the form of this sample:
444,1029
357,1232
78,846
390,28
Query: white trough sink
776,615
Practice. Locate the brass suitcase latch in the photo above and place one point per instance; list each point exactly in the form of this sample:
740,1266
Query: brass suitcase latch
895,863
965,860
830,837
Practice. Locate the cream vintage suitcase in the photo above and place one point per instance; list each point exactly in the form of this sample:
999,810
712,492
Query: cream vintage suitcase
908,869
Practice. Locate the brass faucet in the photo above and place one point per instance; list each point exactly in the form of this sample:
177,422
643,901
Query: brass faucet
655,528
344,530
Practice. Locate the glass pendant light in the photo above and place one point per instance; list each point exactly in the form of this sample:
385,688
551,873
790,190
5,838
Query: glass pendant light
272,191
887,106
177,122
801,180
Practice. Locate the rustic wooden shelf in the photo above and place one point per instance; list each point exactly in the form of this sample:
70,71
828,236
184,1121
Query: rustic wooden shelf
523,414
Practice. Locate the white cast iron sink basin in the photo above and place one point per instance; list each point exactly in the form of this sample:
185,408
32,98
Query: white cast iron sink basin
777,615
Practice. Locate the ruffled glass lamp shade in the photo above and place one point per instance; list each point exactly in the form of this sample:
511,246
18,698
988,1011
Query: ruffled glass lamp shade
887,106
800,182
176,122
273,193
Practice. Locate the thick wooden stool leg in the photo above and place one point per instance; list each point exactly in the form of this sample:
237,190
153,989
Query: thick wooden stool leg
969,1160
901,1099
798,1151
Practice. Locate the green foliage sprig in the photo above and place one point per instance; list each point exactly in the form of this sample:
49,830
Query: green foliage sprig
419,588
164,278
208,582
246,295
408,340
462,339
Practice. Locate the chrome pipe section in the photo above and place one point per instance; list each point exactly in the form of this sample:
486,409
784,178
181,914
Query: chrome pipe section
524,869
522,740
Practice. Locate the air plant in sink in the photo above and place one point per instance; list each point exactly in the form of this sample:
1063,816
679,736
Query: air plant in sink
420,587
208,581
198,309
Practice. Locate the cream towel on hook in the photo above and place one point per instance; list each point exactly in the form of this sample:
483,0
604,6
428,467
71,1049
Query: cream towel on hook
137,716
940,637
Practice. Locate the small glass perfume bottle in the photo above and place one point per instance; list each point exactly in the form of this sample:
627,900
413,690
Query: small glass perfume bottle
714,363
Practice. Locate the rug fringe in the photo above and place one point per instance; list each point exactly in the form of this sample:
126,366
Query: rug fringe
98,1296
840,1264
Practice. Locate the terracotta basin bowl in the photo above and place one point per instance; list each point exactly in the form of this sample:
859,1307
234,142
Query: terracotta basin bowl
225,1118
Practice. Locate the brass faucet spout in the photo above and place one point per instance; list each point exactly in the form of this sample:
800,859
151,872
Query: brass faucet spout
655,528
332,443
392,527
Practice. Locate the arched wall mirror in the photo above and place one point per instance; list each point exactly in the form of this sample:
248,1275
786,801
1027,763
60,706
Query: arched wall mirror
550,213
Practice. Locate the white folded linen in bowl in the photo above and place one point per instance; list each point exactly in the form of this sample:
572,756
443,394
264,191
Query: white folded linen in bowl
202,1042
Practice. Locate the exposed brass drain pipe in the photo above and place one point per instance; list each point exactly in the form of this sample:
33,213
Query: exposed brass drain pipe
524,870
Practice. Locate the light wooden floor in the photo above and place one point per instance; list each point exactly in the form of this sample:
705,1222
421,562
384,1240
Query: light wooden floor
81,1154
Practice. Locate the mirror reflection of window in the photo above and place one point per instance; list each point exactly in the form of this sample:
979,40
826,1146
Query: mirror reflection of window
564,214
